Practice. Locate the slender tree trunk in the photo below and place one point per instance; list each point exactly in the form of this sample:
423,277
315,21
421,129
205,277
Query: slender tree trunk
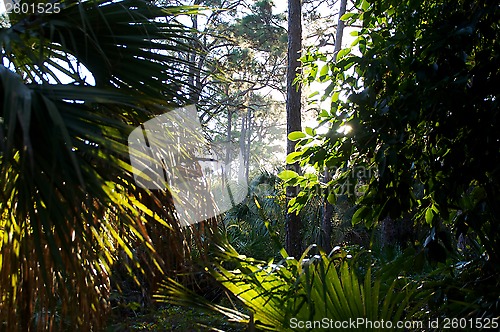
293,243
196,62
249,136
326,222
192,60
227,174
327,207
243,135
340,27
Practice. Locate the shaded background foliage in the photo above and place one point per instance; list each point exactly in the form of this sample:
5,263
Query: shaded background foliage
69,207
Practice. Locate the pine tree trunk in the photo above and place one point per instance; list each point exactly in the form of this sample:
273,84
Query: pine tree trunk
326,222
249,137
243,135
293,243
227,174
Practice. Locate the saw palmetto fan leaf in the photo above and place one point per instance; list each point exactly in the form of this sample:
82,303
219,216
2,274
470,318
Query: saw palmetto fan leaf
73,84
317,288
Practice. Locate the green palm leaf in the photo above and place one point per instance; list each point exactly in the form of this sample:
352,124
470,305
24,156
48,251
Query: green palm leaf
312,289
68,202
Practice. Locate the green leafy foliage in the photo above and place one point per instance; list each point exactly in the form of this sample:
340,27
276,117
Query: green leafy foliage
418,90
254,226
312,288
69,208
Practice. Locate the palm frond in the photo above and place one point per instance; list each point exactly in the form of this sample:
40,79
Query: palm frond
68,202
132,44
310,289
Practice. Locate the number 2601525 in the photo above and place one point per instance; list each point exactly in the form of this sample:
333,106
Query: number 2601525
32,8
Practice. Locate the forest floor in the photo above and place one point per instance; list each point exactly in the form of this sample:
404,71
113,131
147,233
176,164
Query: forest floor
169,318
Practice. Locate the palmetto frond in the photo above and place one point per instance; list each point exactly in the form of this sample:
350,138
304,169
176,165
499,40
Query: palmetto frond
312,289
68,202
132,45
